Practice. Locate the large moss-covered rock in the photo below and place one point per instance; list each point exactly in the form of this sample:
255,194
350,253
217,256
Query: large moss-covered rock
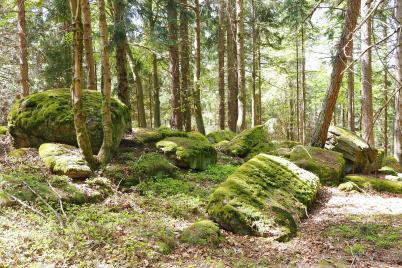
392,163
220,135
266,196
378,184
248,143
327,165
64,159
359,156
3,130
204,233
48,117
146,135
17,187
191,153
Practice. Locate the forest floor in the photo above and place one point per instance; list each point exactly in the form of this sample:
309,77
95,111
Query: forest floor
140,228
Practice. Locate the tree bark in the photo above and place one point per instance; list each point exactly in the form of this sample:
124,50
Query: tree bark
241,119
339,65
176,121
367,89
197,71
23,48
259,96
303,105
233,87
185,65
105,152
297,91
76,90
351,90
155,82
385,103
398,97
254,113
89,53
221,63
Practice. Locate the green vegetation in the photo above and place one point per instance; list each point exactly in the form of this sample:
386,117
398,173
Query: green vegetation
377,184
264,197
143,136
205,233
392,163
3,130
349,187
220,135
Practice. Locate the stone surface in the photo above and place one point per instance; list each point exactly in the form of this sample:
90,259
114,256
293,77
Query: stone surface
48,117
267,196
220,135
64,159
377,184
205,233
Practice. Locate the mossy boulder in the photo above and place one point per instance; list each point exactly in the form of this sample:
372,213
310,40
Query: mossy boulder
386,170
28,187
3,130
48,117
220,135
327,165
193,152
150,165
283,148
377,184
204,233
359,156
248,143
349,187
64,159
267,196
391,162
19,153
146,135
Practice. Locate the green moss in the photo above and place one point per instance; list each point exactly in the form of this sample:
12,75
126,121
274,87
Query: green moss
147,166
380,185
164,187
265,197
327,165
386,170
64,159
248,143
349,187
202,233
3,130
220,135
143,135
189,152
48,117
18,153
391,162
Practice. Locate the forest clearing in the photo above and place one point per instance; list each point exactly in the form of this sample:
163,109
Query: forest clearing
188,133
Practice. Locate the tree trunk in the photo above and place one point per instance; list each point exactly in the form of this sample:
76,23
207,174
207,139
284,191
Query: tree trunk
23,48
241,119
351,90
176,121
221,56
339,65
254,113
150,99
385,103
89,54
297,91
197,71
105,152
367,89
303,105
233,87
121,53
185,65
259,100
398,97
155,82
76,90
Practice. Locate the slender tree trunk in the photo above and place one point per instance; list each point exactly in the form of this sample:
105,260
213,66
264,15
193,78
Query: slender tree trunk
385,126
291,133
398,97
89,54
303,105
320,133
197,71
150,99
23,48
177,117
351,90
367,89
76,90
233,87
297,91
259,97
105,152
155,82
123,91
185,65
221,59
254,113
241,119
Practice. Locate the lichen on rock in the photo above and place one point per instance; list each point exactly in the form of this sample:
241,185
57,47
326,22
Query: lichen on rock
189,152
48,117
267,196
64,159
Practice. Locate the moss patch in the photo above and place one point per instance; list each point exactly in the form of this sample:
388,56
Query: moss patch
202,233
64,159
3,130
391,162
380,185
191,153
144,135
48,117
266,196
18,153
220,135
386,170
327,165
349,187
